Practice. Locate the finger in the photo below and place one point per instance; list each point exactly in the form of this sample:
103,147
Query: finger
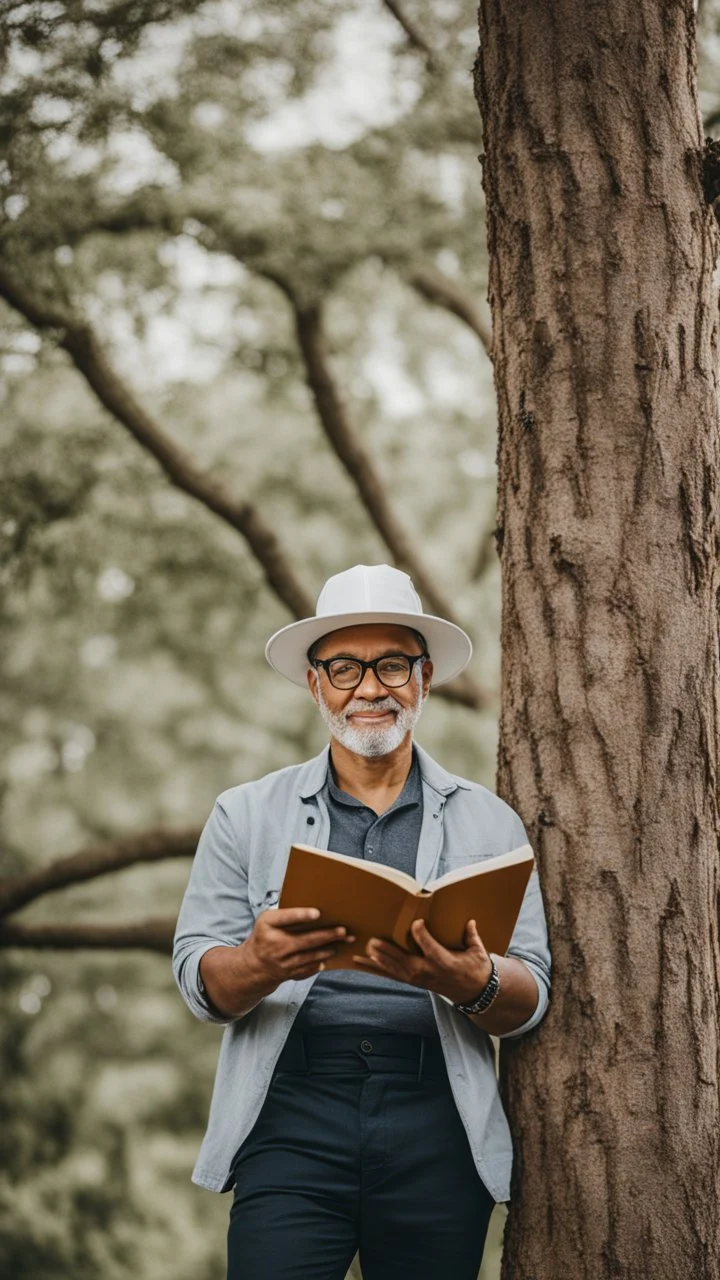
282,919
429,946
388,948
316,938
299,946
374,966
306,971
306,958
382,961
472,937
392,960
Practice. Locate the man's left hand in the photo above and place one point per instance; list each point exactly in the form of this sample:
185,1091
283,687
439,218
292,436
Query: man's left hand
458,975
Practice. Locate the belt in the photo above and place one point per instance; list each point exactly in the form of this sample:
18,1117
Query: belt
361,1051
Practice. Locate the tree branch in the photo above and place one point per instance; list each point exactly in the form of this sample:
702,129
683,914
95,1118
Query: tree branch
355,459
95,860
79,340
444,292
150,935
366,478
414,38
466,692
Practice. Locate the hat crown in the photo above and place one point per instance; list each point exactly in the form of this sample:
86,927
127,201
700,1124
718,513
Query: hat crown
368,588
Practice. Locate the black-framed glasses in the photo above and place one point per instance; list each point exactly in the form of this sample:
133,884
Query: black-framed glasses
393,670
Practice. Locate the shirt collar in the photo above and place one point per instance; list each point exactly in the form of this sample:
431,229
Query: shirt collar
314,772
411,793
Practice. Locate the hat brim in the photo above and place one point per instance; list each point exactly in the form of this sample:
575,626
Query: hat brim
450,648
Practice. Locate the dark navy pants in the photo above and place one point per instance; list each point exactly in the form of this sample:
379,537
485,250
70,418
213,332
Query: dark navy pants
358,1145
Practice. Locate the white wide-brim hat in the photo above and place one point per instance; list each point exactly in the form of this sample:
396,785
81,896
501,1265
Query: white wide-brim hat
369,593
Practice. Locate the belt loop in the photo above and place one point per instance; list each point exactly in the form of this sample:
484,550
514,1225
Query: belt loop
421,1059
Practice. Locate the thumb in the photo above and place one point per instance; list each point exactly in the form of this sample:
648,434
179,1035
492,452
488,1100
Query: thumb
472,937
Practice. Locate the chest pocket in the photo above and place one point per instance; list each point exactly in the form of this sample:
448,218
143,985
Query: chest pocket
270,850
267,872
455,858
263,902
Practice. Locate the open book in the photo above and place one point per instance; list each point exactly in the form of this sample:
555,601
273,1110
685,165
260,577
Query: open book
373,900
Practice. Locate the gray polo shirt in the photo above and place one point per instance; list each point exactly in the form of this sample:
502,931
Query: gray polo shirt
349,997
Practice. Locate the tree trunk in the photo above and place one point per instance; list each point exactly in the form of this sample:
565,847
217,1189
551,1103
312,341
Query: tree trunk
605,322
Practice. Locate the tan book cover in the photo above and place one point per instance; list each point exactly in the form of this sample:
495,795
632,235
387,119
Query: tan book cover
373,900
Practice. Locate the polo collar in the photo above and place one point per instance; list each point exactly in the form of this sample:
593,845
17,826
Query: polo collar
409,797
313,773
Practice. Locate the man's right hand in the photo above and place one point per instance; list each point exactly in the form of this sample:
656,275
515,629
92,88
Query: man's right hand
283,945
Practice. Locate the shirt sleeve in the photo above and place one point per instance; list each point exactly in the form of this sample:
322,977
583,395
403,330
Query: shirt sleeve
529,943
215,911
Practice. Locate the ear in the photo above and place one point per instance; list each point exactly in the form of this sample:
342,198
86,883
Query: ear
312,679
427,671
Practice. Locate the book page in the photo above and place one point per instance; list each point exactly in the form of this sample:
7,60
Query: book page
400,878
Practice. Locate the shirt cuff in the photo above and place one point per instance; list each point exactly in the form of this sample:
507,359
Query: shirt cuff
194,988
538,1012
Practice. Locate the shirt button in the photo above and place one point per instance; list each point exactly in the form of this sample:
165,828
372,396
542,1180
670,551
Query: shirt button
366,1046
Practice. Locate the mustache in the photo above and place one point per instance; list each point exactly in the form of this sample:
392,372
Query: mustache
364,704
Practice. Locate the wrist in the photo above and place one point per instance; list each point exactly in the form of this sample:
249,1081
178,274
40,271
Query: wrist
251,972
232,981
467,988
482,1000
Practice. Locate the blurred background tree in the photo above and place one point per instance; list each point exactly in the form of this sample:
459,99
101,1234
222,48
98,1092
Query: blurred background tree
244,344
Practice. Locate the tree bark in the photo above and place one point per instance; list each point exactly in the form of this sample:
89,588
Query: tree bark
605,332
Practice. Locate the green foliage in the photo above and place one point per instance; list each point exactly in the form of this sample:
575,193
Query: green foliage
94,1164
137,188
164,167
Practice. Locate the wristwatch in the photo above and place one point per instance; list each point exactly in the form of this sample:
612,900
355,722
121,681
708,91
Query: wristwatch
487,995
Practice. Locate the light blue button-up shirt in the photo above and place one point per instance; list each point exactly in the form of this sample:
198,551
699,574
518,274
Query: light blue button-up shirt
237,873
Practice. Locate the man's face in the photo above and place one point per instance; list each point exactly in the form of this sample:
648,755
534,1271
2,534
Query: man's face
370,719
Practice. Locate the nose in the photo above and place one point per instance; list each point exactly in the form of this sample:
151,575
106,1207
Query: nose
370,686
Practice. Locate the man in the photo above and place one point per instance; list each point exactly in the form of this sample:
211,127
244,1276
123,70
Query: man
356,1109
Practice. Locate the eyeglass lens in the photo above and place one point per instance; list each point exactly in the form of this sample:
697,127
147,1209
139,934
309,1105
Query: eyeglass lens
392,672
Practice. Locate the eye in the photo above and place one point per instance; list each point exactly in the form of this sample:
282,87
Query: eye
341,668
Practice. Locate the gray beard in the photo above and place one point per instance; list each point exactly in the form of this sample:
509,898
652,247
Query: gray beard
375,740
